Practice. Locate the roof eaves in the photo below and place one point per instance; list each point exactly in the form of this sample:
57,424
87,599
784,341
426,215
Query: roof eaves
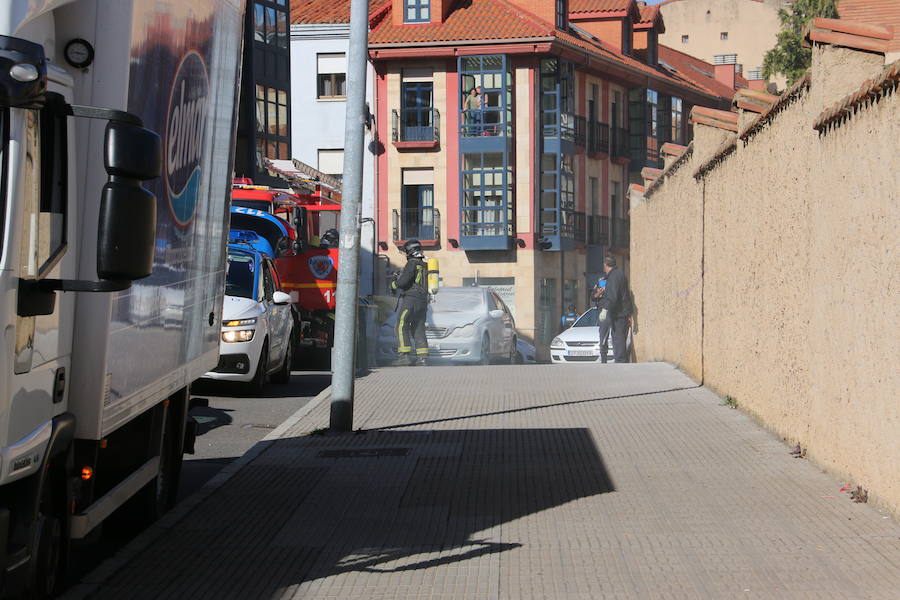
871,89
481,42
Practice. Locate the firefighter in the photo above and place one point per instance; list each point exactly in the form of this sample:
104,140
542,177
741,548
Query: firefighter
413,287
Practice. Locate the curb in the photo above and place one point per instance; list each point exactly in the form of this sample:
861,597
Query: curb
90,582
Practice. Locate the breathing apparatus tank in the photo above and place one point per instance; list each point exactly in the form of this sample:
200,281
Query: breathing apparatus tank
434,275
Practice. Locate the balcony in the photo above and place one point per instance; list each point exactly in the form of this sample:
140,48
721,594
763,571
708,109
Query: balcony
619,144
423,224
598,230
416,128
598,138
620,233
581,129
562,235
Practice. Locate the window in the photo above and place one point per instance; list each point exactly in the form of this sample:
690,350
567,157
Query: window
417,11
684,39
723,35
486,190
332,75
558,98
416,112
677,117
331,162
561,11
595,196
485,95
417,205
272,125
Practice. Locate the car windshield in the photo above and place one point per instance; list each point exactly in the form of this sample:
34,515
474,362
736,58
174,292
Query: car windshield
447,300
239,280
588,319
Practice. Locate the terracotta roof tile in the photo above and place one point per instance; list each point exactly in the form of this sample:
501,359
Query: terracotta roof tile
650,174
307,12
649,14
852,34
672,149
722,119
475,20
592,6
754,100
881,12
698,71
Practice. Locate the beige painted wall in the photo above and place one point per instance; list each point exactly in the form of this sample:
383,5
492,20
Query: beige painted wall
797,315
752,27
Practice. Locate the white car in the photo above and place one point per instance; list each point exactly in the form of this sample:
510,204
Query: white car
580,343
257,339
464,325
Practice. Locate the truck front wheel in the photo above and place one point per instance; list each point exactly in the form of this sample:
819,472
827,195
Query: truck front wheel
47,549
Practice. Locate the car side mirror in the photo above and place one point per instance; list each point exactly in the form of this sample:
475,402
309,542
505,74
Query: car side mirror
281,298
496,313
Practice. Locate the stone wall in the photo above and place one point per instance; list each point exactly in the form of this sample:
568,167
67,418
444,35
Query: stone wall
770,274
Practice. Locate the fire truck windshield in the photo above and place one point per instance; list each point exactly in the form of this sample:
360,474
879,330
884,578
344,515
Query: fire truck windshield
263,205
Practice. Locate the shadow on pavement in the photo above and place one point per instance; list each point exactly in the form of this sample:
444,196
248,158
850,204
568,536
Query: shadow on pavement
301,384
384,501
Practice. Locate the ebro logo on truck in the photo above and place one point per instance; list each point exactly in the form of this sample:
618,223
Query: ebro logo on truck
185,124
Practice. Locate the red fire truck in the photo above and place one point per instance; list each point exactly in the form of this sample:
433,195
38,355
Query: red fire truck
308,270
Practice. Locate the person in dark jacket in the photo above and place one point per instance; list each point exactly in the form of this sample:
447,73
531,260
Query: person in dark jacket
412,284
617,301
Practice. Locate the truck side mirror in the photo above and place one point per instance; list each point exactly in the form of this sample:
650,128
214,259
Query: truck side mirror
127,230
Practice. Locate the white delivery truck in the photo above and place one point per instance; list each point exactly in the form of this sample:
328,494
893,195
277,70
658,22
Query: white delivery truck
117,125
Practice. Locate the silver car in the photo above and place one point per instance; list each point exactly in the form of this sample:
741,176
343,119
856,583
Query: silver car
464,325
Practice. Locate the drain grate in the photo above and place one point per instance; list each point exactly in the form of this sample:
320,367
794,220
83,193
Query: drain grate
362,452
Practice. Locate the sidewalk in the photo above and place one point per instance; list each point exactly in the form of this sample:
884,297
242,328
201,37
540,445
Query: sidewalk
519,482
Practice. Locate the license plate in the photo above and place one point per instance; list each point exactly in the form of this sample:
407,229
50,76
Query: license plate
582,353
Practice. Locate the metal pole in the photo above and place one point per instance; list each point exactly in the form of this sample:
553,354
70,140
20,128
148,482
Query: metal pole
343,355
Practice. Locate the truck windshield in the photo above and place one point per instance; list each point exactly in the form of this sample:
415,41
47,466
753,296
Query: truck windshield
4,141
262,205
240,279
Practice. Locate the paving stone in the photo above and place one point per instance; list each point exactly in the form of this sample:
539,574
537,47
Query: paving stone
518,482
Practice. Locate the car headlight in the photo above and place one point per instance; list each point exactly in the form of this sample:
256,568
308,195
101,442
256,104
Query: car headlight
239,322
239,335
464,331
557,343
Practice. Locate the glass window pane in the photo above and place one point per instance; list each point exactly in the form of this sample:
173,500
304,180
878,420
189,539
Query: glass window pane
282,120
270,26
282,29
259,29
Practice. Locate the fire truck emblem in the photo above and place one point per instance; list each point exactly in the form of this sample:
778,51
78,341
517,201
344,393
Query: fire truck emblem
321,266
183,144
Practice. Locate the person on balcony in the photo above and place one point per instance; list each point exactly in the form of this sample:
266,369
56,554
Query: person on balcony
472,105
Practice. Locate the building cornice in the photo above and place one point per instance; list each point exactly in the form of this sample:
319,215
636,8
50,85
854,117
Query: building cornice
320,31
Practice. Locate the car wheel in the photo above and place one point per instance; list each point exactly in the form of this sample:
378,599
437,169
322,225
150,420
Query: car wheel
284,373
262,370
485,351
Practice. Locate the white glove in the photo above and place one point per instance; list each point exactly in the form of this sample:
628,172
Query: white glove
603,314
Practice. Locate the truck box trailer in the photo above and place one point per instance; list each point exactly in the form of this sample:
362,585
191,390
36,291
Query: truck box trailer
117,126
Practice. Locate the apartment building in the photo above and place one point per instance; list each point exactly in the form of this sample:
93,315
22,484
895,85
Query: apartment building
515,128
720,32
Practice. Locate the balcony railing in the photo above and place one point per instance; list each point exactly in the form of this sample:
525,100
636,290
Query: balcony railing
581,126
619,142
483,121
416,223
620,233
598,230
598,137
416,125
572,225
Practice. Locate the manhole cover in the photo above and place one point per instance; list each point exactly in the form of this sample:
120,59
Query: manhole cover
363,452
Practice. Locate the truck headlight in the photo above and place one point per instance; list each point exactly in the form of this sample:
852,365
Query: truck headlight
557,343
464,331
239,335
239,322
